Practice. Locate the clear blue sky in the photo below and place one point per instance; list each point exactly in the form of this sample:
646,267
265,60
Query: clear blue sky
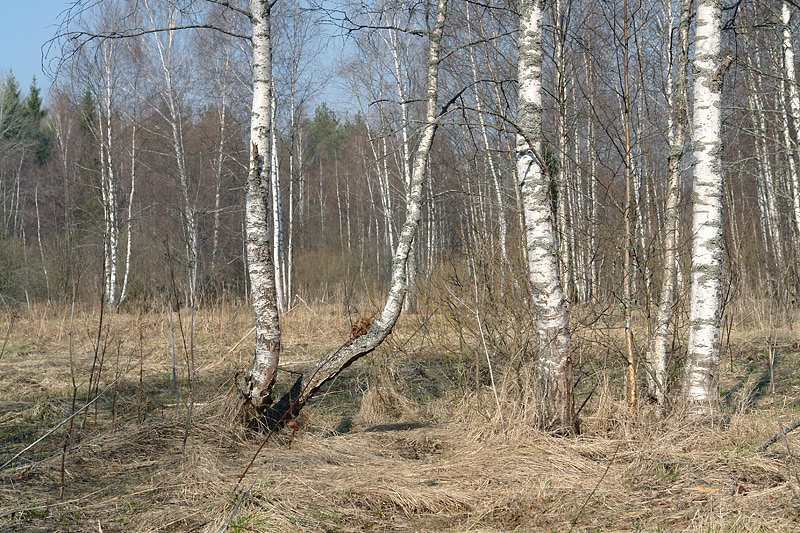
25,25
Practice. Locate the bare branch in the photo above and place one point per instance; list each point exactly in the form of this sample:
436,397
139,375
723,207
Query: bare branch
138,32
228,5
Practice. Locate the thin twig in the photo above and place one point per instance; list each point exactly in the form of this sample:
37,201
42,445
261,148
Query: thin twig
485,348
239,499
8,334
575,520
74,398
97,342
172,338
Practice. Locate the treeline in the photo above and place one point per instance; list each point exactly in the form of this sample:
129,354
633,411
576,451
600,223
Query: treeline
133,174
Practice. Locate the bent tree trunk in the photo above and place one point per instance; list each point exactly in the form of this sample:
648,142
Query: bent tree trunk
366,337
554,365
256,387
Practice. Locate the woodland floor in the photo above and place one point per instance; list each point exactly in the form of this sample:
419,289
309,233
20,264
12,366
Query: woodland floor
405,441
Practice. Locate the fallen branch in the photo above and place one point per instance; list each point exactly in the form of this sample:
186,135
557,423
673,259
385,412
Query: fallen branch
51,505
779,435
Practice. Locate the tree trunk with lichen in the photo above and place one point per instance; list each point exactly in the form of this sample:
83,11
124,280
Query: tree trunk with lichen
554,365
256,385
701,379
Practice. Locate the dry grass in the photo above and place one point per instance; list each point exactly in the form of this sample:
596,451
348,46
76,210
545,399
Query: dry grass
404,442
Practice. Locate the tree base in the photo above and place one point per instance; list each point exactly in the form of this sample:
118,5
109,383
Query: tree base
267,417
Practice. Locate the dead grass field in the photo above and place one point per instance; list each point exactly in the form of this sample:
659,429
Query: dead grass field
405,441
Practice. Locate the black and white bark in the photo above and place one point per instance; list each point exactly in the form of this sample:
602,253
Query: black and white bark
554,363
361,344
701,379
676,99
258,382
794,105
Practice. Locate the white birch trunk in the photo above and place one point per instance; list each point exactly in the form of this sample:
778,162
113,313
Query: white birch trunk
765,180
657,354
411,263
108,180
259,380
794,103
129,223
39,238
554,364
701,380
218,170
290,231
275,181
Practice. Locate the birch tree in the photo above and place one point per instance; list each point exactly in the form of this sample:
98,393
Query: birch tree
173,94
108,182
794,106
701,380
554,364
367,336
256,387
676,100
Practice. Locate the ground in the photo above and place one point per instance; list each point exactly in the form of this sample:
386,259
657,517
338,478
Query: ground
410,439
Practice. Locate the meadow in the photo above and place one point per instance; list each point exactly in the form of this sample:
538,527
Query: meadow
411,438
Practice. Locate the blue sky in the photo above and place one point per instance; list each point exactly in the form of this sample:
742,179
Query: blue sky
25,25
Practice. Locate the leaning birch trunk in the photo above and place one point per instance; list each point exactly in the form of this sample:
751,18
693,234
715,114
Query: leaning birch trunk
366,337
657,354
256,386
554,364
701,381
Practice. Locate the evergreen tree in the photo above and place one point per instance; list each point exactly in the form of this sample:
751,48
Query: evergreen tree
36,131
10,116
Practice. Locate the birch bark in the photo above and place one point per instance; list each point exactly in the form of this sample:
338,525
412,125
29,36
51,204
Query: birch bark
277,221
554,363
129,224
701,381
362,344
657,354
109,185
794,102
258,381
